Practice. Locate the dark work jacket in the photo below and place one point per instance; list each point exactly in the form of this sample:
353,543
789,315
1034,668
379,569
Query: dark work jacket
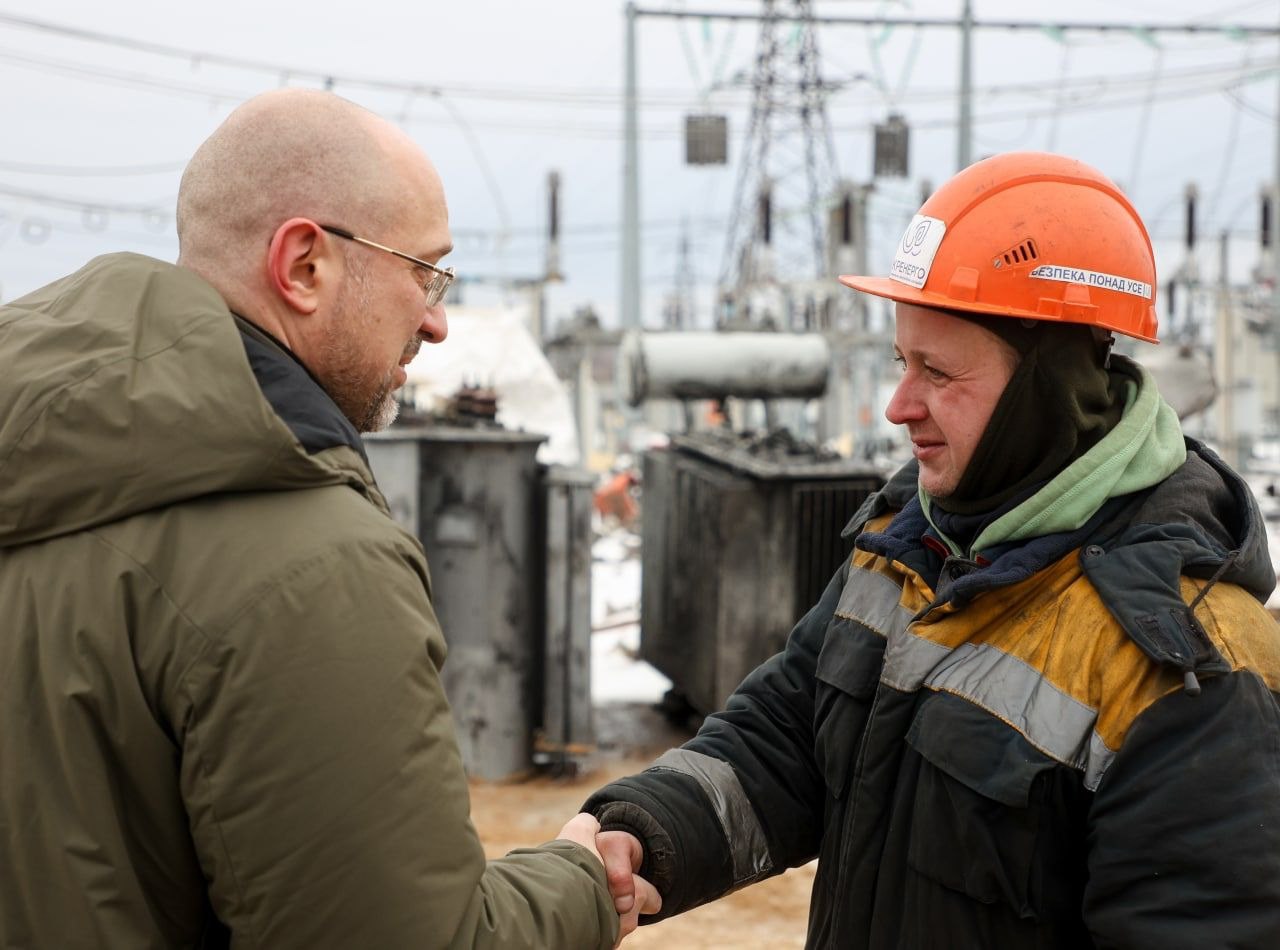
1076,745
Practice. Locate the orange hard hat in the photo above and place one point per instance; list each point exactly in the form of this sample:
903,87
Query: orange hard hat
1030,235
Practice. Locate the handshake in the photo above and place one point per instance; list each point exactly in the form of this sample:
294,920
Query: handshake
621,855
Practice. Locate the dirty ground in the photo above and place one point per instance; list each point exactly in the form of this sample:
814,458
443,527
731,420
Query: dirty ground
768,916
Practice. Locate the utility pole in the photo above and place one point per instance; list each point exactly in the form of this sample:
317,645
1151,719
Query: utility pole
861,199
551,269
964,136
629,302
1224,368
1275,251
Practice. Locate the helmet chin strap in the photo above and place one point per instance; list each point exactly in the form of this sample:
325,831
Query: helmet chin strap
1105,340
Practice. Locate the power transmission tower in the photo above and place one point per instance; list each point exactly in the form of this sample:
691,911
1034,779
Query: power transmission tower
680,310
776,242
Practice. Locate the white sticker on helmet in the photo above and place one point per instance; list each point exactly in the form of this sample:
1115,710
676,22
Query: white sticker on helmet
1091,278
914,259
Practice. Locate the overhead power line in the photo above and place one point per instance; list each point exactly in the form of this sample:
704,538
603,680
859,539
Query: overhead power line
1042,26
186,53
90,171
521,93
158,206
569,96
1198,80
574,97
116,77
1214,75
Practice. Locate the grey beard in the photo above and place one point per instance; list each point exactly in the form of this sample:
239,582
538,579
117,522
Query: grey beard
381,413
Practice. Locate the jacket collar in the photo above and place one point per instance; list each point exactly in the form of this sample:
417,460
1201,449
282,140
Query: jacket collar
295,394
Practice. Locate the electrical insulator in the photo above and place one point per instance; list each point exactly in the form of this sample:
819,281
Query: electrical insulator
1191,194
1264,225
764,208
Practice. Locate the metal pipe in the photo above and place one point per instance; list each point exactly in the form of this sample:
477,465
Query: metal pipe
722,365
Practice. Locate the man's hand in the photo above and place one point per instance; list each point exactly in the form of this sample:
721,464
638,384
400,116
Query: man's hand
582,829
645,901
632,894
621,854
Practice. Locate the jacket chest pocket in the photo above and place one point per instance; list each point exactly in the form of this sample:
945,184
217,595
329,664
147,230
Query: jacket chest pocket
847,673
992,817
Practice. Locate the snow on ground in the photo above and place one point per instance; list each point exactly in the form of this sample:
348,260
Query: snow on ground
1266,489
617,675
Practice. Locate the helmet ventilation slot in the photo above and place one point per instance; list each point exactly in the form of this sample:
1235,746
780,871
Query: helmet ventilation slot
1021,253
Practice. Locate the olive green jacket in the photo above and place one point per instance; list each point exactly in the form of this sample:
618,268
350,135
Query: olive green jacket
221,718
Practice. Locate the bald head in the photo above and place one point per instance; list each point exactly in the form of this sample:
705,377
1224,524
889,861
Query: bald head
294,153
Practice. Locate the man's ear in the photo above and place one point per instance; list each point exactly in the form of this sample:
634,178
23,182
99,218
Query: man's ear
300,264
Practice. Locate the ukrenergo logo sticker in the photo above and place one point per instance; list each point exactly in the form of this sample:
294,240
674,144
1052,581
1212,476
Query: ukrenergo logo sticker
916,250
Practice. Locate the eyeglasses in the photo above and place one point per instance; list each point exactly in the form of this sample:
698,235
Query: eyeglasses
438,278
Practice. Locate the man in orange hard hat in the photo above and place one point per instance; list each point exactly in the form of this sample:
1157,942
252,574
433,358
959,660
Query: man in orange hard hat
1038,706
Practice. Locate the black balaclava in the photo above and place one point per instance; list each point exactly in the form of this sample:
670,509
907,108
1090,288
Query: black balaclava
1059,403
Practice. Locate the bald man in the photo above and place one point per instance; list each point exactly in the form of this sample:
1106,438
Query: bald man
221,719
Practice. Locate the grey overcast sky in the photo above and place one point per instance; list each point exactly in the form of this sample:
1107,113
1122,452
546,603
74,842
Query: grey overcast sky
95,126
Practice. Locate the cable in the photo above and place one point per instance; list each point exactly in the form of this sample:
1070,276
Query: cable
78,70
1088,85
91,171
1249,107
653,101
726,46
1228,151
1064,70
201,56
160,205
892,96
1093,105
691,61
525,93
576,97
1144,123
1011,142
491,181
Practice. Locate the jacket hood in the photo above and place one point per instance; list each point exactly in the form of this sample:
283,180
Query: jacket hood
1144,448
1207,515
106,370
1202,522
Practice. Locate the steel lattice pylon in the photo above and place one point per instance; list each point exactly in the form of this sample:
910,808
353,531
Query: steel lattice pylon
776,240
